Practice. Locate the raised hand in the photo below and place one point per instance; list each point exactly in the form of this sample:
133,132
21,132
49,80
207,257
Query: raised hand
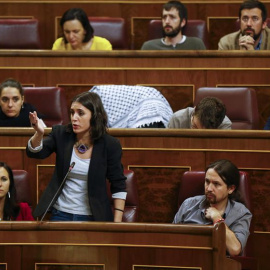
36,122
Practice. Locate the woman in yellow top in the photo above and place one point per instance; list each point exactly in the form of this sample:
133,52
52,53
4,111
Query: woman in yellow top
78,33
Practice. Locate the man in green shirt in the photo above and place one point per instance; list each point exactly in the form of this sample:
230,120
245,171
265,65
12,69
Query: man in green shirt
174,19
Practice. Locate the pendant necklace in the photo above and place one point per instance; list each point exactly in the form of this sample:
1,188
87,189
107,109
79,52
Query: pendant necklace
81,147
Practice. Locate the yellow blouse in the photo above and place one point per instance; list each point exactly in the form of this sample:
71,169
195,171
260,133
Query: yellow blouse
98,43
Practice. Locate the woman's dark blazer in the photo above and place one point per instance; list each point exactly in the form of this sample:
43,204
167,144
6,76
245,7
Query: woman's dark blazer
105,164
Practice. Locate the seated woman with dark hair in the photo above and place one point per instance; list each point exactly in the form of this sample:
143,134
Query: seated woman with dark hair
14,112
78,34
9,209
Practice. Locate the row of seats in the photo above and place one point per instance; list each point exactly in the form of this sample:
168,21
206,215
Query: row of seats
192,184
245,116
24,33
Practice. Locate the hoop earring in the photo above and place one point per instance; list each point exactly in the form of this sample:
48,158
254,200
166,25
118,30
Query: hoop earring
9,195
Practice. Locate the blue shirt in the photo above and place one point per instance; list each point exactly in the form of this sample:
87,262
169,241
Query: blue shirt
237,216
258,47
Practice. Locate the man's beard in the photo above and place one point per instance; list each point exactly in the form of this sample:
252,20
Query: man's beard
173,33
212,199
254,36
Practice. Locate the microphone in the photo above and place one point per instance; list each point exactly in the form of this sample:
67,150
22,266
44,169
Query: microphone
59,189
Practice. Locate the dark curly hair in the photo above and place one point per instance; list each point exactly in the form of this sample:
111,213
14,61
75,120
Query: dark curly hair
210,111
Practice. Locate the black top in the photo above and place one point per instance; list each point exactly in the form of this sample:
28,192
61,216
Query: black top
20,121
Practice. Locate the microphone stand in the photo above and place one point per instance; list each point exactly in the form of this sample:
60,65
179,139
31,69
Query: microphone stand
58,190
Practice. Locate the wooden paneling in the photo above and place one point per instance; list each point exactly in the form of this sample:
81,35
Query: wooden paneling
140,30
152,187
262,239
68,266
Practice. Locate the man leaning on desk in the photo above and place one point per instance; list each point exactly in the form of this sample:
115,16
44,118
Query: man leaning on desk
253,34
210,113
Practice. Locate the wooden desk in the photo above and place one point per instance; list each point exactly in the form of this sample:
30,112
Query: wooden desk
177,75
100,246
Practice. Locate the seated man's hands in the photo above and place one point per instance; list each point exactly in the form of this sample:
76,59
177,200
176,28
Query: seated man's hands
246,43
213,214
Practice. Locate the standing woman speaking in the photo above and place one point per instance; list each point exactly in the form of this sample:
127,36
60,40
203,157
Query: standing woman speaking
97,157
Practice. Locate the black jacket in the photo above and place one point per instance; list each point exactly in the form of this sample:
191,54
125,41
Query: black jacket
105,164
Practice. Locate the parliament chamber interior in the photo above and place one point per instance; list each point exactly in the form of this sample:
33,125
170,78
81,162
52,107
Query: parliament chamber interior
155,160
